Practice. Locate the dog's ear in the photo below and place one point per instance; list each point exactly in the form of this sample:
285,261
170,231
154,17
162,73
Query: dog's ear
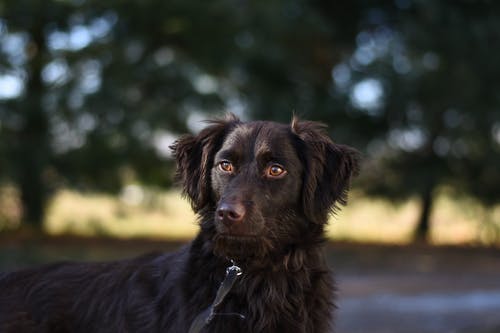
329,168
194,158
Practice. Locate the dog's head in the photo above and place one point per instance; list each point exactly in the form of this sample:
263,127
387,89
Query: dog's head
262,186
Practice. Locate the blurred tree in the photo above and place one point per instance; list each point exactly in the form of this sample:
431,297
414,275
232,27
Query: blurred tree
425,75
91,92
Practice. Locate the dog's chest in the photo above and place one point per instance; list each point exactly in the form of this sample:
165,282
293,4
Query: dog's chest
270,302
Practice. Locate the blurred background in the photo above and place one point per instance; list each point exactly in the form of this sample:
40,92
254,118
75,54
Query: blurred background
92,93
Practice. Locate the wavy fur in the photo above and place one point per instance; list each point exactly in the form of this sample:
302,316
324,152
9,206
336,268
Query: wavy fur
286,285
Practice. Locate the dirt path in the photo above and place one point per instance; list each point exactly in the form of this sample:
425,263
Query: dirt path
382,289
428,304
418,290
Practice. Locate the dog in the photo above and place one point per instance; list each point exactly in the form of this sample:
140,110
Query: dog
263,192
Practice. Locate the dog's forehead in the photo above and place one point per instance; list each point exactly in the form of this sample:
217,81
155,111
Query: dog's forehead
259,137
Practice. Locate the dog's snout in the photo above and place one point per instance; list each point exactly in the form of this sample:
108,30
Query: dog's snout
230,213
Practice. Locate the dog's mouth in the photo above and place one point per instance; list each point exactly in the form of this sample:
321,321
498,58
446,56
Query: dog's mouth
241,246
241,237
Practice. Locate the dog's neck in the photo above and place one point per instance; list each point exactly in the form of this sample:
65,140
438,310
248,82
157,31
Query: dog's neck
292,258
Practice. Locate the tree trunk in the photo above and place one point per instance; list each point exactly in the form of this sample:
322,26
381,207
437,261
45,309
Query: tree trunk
32,146
31,163
422,232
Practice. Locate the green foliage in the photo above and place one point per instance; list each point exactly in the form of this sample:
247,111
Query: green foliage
440,111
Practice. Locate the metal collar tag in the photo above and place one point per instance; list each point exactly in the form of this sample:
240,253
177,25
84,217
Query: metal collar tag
206,316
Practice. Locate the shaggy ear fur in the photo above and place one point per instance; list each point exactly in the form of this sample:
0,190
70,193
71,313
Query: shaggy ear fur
329,168
194,158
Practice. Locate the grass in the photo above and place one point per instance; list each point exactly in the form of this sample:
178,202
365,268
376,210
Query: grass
453,221
159,215
140,212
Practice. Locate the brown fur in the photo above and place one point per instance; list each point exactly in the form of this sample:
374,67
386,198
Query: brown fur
271,226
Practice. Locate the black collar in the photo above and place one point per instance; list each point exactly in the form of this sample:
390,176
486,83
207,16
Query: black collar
206,316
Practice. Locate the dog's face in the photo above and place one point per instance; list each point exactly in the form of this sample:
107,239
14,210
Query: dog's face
262,186
256,181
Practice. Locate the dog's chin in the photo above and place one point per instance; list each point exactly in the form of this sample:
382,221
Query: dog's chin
241,248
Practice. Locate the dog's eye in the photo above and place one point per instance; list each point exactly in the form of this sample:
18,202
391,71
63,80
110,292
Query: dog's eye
276,171
226,166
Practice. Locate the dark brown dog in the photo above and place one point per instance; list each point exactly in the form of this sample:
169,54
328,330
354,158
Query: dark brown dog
263,192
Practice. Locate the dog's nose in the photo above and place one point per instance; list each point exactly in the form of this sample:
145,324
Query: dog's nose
230,214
